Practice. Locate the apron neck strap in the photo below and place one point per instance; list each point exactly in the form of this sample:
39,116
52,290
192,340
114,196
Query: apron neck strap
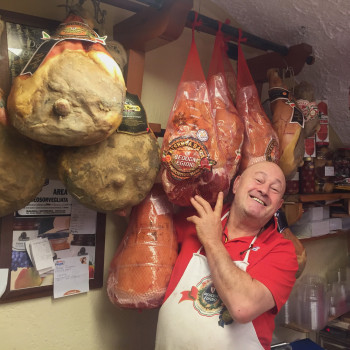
246,257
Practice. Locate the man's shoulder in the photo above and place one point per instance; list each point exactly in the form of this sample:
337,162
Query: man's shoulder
271,236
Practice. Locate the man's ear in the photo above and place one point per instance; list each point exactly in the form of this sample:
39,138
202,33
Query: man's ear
236,183
282,200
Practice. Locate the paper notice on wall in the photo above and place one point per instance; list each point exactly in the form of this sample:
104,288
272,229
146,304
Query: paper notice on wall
83,220
53,199
71,276
41,255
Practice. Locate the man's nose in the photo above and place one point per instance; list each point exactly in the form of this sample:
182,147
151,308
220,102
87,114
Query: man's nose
263,188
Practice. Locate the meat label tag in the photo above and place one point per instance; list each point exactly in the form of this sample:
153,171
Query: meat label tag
39,56
297,115
77,30
187,158
278,93
134,116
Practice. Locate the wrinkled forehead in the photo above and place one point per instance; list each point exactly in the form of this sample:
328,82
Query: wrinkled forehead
270,169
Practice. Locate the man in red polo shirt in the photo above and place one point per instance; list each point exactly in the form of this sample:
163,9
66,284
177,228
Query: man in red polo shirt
234,271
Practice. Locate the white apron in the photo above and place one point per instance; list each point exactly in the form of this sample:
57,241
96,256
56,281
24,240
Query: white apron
194,317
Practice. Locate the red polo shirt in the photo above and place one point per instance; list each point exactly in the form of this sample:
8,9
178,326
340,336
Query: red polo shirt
272,262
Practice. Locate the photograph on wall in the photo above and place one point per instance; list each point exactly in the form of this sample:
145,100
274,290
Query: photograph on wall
22,42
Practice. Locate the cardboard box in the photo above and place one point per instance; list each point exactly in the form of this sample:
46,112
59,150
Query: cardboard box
345,223
311,229
326,213
313,214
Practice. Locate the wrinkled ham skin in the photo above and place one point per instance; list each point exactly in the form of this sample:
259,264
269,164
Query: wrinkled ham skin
141,267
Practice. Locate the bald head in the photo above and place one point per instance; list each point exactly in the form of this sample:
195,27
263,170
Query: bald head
270,169
258,193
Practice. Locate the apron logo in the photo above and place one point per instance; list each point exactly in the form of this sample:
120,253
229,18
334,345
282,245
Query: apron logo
206,301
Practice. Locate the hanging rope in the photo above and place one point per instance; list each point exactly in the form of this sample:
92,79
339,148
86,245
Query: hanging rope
99,14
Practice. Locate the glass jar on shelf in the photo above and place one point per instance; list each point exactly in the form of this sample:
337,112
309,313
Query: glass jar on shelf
324,170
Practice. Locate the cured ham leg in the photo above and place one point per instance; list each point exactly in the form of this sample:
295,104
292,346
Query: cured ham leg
288,122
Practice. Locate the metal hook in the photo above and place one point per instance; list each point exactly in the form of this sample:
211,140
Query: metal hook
288,72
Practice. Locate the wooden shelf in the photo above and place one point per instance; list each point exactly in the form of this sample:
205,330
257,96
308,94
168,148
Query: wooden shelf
296,327
316,197
293,203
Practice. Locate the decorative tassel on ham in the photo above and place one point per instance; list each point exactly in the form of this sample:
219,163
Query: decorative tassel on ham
141,267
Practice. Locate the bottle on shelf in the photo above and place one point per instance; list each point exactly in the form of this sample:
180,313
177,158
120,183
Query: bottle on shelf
307,176
324,170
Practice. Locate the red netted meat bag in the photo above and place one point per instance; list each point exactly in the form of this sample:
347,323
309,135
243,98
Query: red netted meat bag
191,160
260,139
229,125
142,265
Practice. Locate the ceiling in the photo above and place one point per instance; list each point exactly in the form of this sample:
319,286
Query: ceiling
323,24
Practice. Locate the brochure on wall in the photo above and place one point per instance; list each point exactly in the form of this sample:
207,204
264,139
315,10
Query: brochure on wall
56,216
71,276
53,199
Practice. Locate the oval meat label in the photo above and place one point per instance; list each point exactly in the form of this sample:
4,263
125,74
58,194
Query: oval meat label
186,158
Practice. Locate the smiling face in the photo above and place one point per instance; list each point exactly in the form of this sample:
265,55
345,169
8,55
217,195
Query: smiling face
259,191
